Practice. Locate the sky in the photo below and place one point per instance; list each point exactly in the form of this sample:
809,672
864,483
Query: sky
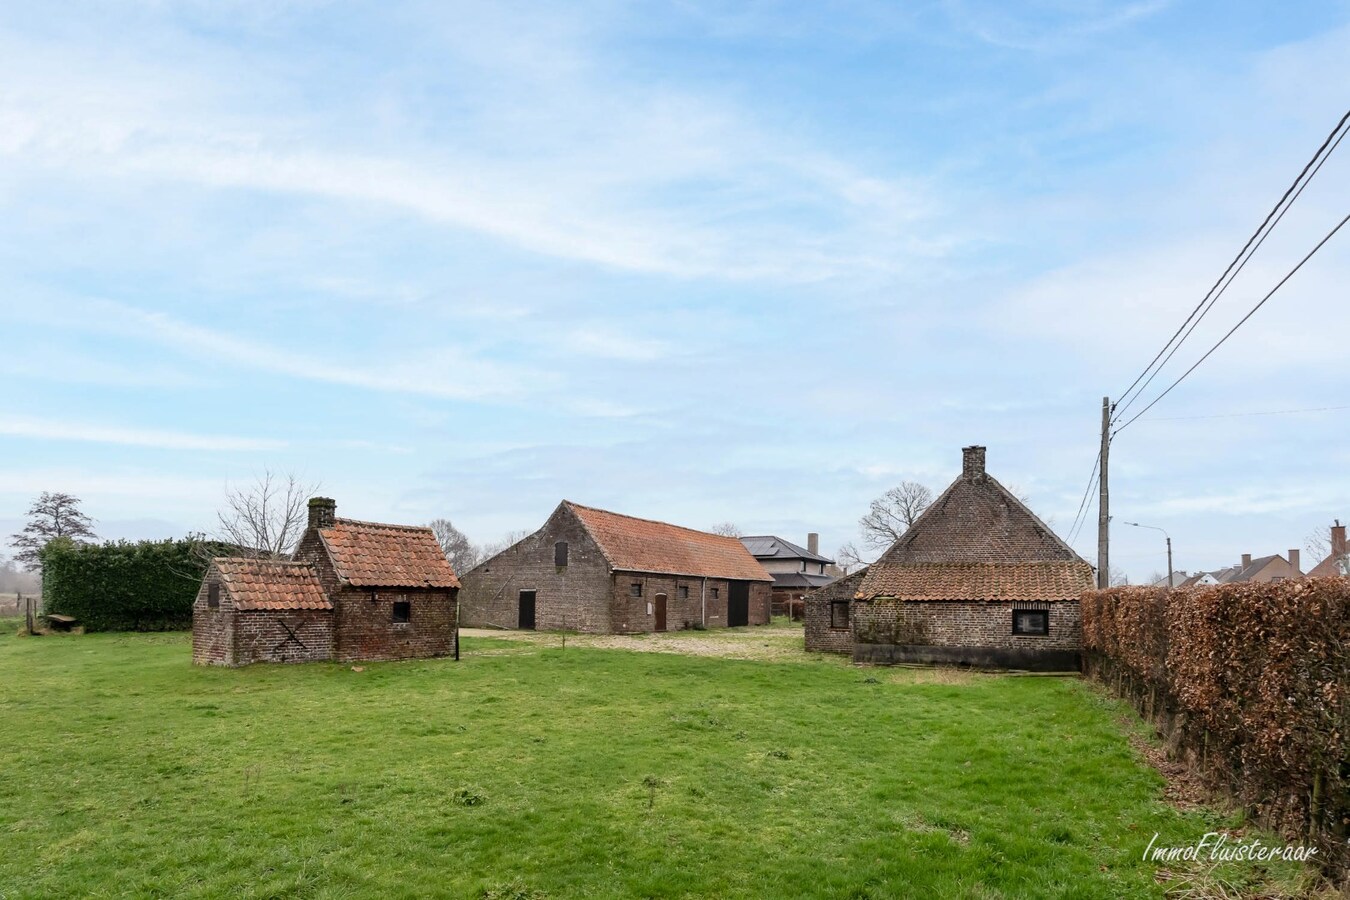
692,261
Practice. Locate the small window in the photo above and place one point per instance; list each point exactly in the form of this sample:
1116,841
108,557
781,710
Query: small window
684,592
402,612
635,589
213,595
838,613
715,592
1031,621
560,554
803,565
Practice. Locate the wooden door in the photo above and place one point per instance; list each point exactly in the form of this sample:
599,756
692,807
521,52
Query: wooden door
738,603
660,609
527,610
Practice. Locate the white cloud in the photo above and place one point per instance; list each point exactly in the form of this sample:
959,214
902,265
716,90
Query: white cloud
45,429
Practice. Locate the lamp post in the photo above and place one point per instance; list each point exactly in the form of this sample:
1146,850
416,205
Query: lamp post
1169,548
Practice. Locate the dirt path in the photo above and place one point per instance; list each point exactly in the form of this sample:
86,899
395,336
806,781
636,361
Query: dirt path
774,643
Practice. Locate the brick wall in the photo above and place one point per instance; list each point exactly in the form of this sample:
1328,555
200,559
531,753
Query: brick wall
364,626
969,632
290,635
212,629
821,635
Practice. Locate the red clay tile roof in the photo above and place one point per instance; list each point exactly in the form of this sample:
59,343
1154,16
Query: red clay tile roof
641,545
271,584
369,554
979,581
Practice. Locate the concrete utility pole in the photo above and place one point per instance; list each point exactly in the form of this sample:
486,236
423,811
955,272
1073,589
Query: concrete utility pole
1104,504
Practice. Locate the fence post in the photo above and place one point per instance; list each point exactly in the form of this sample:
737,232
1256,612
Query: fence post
28,613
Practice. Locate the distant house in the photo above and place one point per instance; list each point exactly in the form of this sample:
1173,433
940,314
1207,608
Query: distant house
1177,579
1261,569
1200,579
1337,562
596,571
977,580
353,591
796,570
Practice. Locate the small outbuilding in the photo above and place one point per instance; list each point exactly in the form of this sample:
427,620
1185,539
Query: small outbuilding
352,591
596,571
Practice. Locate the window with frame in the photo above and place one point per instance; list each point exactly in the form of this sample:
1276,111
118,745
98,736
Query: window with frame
560,554
1031,621
838,613
635,589
714,593
213,595
683,592
402,612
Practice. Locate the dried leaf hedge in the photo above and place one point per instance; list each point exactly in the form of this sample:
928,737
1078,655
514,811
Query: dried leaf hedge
1249,683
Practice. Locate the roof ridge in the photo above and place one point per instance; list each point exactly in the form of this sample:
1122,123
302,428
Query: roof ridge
610,512
390,525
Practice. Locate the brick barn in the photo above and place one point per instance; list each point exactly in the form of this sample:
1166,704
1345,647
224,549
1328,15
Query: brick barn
605,573
353,591
977,580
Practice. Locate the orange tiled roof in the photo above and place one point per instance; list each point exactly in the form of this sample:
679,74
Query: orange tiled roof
369,554
642,545
1050,580
271,584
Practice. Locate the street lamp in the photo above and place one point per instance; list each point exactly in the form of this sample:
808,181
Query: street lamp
1169,548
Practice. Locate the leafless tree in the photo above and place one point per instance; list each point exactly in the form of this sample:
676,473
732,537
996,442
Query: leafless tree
15,581
456,546
848,558
487,551
891,514
1318,544
1118,578
266,517
727,529
52,515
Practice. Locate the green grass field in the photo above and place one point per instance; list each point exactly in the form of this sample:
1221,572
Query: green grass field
527,771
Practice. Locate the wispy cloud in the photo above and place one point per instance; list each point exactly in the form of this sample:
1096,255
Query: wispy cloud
49,430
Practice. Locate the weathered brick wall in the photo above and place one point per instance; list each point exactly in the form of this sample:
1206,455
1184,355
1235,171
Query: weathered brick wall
212,629
630,614
973,632
364,627
575,597
821,636
280,636
761,593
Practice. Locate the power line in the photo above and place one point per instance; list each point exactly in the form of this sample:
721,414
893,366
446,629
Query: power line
1079,519
1276,213
1269,412
1240,323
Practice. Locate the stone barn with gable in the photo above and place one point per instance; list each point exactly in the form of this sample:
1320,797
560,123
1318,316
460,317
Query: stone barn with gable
977,580
601,572
352,591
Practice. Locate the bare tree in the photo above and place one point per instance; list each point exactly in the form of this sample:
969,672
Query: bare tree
1318,543
456,546
726,529
1118,578
266,517
848,558
891,514
52,515
487,551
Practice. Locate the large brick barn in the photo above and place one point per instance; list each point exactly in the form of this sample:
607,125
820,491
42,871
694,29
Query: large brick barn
353,591
977,580
601,572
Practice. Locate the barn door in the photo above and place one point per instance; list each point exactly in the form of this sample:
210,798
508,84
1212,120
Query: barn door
738,603
660,601
527,610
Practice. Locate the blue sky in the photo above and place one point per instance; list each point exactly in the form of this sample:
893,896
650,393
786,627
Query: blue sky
683,260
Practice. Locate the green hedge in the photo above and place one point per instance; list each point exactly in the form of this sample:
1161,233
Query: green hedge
126,586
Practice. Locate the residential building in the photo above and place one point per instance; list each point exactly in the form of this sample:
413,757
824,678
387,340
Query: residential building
796,570
1338,560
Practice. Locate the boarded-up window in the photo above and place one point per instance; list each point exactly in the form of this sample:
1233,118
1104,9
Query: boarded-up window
715,592
402,612
838,613
1031,621
635,589
684,592
213,595
560,554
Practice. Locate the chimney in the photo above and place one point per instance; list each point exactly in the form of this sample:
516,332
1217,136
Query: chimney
1293,560
813,542
1246,558
1338,539
322,512
972,462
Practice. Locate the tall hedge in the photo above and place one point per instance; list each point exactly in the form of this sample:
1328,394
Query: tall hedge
1250,682
126,586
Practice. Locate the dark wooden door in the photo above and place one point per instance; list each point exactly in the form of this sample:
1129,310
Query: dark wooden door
738,603
527,610
659,601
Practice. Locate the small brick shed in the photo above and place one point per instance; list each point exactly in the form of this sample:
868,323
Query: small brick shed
977,580
353,591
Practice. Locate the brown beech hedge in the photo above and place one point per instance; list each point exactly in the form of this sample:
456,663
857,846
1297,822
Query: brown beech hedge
1246,682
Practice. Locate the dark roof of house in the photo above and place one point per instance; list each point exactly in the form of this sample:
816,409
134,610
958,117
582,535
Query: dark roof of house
271,584
641,545
1238,574
768,546
977,541
801,580
370,554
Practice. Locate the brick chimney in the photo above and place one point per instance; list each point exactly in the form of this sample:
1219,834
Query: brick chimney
972,462
813,542
322,512
1293,559
1246,559
1338,539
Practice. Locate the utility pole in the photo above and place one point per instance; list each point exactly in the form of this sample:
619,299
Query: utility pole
1104,504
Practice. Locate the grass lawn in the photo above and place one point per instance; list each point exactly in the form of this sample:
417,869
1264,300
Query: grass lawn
528,771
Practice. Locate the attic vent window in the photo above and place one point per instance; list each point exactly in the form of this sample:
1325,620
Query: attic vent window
715,592
684,592
635,589
560,554
402,612
213,595
1031,621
